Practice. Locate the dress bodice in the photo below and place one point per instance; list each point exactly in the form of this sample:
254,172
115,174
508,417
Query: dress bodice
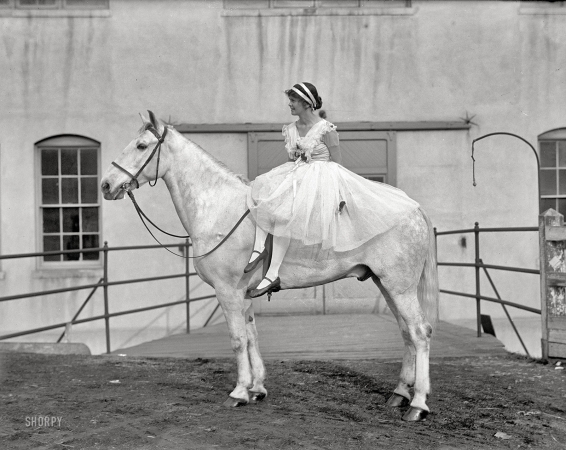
311,144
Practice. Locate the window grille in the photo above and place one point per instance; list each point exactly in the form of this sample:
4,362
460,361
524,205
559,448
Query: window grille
542,3
553,171
69,199
310,4
56,4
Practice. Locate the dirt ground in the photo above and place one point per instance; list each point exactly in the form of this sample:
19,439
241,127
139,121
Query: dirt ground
113,402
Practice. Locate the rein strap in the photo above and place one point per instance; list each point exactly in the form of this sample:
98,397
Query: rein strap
142,215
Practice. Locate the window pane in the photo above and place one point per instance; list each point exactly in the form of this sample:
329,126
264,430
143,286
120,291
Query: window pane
90,220
69,191
243,4
547,154
71,243
384,3
548,182
69,162
51,223
51,244
339,3
90,241
71,222
547,203
562,206
89,190
37,3
562,182
293,3
50,191
86,3
562,153
89,162
49,162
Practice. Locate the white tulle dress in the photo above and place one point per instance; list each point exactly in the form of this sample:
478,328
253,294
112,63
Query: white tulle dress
302,199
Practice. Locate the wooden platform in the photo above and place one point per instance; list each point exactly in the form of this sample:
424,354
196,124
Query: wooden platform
360,336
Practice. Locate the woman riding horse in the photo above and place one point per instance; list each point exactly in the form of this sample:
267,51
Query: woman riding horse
313,198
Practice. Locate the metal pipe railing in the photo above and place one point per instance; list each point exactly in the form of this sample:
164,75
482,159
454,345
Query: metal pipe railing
478,265
505,310
82,307
106,284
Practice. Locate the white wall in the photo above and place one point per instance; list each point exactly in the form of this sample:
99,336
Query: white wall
189,63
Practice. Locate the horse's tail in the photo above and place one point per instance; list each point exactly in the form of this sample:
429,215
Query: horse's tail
428,284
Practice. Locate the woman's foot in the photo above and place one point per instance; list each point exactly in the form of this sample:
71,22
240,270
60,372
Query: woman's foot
265,286
254,261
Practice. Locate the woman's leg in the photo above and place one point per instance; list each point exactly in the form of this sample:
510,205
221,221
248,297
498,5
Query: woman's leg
259,253
259,244
280,246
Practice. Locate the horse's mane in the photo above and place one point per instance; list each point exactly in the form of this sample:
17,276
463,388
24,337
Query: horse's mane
224,169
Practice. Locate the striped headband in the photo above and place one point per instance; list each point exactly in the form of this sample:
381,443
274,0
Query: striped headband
310,99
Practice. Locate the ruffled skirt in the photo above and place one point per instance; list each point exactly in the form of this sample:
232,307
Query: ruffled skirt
302,201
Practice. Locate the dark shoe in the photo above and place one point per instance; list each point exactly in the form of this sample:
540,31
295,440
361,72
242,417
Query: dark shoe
252,265
272,286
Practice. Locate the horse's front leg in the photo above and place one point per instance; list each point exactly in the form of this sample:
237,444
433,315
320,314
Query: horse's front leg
257,391
232,302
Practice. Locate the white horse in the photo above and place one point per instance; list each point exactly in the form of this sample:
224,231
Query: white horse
210,199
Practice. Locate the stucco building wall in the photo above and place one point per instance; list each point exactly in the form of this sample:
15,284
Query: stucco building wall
193,62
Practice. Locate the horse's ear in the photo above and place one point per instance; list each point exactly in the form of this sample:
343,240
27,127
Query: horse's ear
153,120
145,121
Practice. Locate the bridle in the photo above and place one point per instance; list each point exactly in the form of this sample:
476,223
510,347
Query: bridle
134,178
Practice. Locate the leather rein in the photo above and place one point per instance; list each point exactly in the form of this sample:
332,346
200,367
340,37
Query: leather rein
127,187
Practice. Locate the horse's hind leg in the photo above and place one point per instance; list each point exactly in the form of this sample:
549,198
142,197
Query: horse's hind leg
416,332
257,391
401,395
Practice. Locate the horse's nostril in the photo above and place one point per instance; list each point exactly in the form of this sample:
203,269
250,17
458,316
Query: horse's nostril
105,187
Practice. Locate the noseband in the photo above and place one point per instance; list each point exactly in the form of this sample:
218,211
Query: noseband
134,178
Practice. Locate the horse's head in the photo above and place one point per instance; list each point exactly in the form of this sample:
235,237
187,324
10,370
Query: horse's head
138,163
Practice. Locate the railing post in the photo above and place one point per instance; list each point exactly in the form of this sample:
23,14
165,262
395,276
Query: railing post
106,318
187,288
478,291
436,245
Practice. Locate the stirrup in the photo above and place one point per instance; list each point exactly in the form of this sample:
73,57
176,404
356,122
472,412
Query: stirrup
253,264
273,286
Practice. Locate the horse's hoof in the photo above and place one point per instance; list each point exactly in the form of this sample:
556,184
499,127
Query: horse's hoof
256,397
415,414
234,402
397,401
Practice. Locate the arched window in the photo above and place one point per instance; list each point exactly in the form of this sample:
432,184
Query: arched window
69,216
552,146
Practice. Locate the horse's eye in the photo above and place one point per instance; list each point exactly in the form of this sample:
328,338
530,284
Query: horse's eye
142,146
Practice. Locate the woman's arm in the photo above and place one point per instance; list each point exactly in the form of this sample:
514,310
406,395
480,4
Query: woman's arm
335,154
332,141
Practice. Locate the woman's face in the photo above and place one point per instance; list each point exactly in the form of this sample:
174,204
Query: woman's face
297,106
